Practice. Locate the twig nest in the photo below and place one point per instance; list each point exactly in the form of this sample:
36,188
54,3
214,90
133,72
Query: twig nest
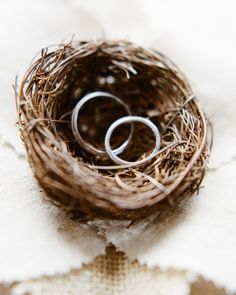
152,86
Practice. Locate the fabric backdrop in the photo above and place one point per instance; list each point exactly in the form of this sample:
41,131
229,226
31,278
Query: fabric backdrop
200,36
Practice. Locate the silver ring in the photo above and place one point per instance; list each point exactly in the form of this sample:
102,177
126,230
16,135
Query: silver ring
126,119
75,130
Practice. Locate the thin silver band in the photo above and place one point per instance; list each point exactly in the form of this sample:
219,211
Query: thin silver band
127,119
74,123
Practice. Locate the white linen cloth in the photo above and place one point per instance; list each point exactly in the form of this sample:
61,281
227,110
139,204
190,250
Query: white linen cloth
200,38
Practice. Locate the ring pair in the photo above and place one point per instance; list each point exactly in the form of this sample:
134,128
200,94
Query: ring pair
113,153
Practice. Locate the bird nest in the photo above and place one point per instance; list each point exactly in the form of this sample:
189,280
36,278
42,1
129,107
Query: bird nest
152,86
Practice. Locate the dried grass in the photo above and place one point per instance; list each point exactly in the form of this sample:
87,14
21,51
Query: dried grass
153,87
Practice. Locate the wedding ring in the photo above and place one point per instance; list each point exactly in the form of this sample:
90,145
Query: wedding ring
127,119
74,124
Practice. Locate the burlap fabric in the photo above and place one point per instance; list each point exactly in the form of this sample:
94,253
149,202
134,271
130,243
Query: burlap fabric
115,274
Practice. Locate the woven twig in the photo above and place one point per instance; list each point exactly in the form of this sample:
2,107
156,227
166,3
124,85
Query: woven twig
153,87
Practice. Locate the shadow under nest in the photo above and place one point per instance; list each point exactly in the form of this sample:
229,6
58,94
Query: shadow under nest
152,86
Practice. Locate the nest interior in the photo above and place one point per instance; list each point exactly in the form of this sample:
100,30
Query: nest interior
153,87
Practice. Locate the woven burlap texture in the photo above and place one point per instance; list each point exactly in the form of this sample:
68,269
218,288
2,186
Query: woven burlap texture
115,274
